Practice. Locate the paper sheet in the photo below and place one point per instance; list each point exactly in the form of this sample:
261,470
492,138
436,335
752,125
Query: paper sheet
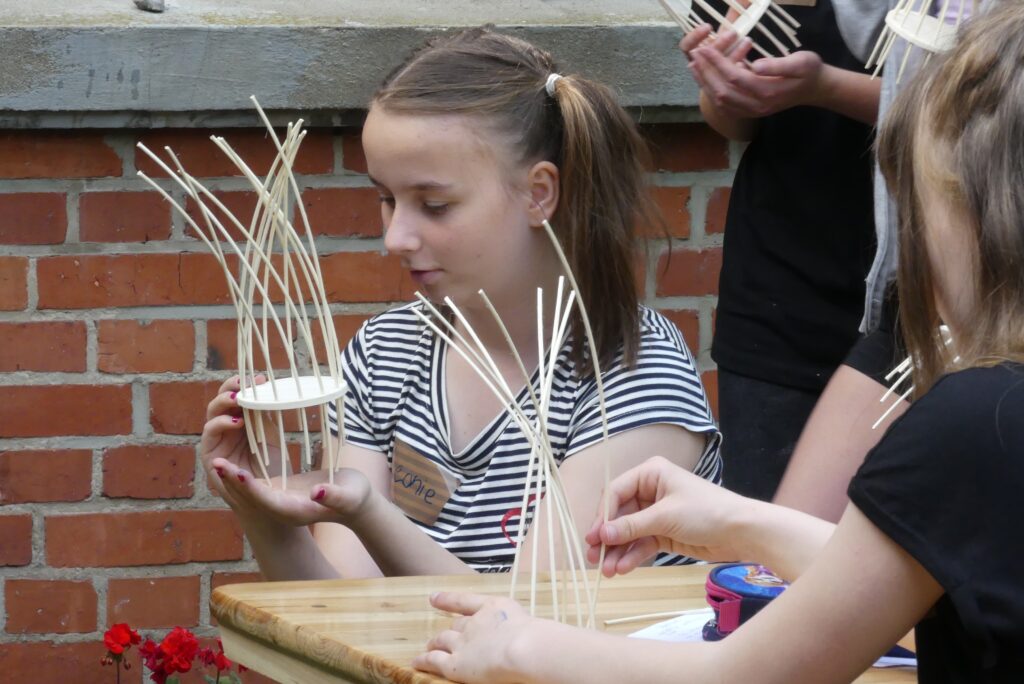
688,627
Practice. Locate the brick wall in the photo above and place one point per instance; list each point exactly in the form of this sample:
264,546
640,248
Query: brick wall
114,333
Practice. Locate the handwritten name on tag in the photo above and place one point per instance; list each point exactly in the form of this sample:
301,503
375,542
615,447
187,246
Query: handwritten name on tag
418,485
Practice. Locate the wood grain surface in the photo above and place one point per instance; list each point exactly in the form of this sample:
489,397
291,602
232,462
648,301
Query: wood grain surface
323,632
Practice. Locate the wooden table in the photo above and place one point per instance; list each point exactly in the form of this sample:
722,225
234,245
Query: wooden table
331,631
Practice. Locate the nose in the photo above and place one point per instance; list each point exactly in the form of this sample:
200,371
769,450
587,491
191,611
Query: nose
400,233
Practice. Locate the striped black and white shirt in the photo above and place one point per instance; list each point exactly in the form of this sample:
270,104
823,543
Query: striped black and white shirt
395,367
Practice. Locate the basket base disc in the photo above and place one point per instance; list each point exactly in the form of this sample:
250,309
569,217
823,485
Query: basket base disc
291,393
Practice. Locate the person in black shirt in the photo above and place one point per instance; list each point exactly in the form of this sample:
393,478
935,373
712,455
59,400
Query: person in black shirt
799,234
931,535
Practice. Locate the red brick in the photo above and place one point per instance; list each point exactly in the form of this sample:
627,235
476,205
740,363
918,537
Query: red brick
686,147
201,158
718,207
52,154
13,283
222,347
33,218
99,281
710,381
689,272
241,205
342,211
15,540
63,410
50,663
151,603
352,156
145,346
123,217
49,607
179,408
57,346
365,277
220,579
149,472
44,476
147,538
688,322
673,205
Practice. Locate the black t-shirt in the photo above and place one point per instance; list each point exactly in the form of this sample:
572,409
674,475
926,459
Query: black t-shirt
881,350
946,483
799,235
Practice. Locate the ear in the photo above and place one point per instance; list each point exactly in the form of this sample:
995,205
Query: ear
542,185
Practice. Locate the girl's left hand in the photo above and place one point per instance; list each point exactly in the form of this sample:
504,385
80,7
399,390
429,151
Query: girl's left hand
308,499
481,645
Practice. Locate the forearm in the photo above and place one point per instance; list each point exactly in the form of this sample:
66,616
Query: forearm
287,553
854,95
731,127
552,653
785,540
398,546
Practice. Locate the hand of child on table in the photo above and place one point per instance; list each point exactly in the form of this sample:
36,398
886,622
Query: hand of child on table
478,646
766,86
658,506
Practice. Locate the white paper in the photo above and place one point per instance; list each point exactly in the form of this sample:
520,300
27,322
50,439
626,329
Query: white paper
689,627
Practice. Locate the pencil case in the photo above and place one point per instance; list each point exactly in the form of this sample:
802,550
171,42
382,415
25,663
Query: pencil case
736,592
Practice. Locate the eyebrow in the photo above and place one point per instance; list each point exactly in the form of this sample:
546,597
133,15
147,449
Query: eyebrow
424,185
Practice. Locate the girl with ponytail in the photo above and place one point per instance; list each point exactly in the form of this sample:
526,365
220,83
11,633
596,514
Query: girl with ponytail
473,143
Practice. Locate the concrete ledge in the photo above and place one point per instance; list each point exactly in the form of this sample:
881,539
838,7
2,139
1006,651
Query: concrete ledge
110,64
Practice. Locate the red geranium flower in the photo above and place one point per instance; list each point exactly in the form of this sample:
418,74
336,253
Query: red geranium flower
120,638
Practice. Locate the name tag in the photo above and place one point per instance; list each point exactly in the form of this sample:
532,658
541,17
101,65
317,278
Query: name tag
419,486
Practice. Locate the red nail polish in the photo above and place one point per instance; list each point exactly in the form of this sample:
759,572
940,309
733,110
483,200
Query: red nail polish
320,495
241,476
234,394
220,471
236,419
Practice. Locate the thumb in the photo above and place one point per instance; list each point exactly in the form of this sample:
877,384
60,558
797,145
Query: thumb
794,65
630,527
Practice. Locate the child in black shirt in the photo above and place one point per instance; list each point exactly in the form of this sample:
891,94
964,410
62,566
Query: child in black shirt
931,537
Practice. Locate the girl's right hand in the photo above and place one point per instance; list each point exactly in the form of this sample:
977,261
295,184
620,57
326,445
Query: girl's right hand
224,436
658,506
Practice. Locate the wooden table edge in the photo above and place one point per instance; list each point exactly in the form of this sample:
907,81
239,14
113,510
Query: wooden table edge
260,645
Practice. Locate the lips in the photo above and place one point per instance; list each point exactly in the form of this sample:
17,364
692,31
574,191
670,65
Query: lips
425,276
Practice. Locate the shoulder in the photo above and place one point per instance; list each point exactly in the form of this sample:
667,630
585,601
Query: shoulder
970,418
392,328
972,399
658,333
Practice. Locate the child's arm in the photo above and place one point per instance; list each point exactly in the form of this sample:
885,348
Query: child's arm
851,605
659,507
833,444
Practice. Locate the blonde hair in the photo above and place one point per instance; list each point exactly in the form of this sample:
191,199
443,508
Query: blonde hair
959,128
581,129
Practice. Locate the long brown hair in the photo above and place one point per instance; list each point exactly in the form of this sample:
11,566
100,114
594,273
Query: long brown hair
964,116
581,129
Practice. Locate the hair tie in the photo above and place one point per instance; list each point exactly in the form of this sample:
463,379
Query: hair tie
550,85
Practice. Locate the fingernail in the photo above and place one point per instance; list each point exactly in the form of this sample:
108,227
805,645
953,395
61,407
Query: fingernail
241,476
234,394
236,419
220,471
321,493
611,535
434,595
